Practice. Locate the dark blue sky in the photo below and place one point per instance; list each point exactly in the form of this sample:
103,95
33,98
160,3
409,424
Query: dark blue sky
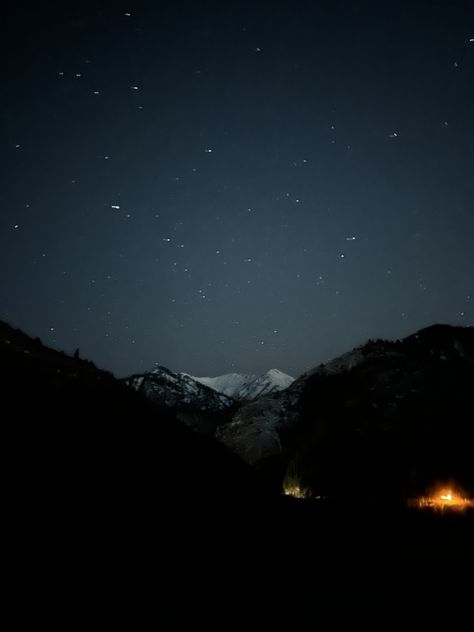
234,186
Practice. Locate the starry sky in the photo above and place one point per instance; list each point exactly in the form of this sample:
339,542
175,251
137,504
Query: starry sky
235,186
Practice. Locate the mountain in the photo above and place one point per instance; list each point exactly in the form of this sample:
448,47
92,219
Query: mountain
387,417
240,386
195,404
205,403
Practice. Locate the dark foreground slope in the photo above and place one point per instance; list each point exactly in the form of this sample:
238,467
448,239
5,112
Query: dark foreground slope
105,496
116,516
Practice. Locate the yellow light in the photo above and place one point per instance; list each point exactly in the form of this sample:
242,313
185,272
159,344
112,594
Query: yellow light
295,491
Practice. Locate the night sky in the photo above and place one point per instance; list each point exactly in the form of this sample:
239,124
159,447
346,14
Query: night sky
235,186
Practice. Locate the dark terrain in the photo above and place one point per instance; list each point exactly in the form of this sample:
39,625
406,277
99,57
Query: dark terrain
117,515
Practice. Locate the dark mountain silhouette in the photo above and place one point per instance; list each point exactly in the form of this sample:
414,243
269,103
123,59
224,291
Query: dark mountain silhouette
400,419
106,495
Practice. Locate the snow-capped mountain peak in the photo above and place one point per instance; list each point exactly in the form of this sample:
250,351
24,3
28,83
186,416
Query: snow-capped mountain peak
229,384
247,387
278,378
175,390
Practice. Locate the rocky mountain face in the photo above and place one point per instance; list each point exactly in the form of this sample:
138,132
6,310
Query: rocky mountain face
387,414
255,430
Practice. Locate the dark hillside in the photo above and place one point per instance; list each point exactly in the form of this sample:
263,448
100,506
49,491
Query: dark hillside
105,495
400,420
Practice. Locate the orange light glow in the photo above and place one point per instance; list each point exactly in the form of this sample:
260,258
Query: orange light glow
442,498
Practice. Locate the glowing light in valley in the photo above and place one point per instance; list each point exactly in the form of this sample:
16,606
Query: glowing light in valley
292,486
294,490
443,497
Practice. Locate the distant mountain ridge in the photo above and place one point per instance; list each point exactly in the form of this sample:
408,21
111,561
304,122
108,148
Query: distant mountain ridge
240,386
205,403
